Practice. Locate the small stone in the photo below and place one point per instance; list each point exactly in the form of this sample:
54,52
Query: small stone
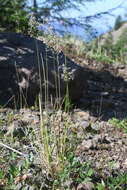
125,163
116,165
86,144
119,142
83,115
30,117
84,124
85,186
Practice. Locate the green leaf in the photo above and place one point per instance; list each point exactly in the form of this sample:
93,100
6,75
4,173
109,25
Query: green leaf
90,172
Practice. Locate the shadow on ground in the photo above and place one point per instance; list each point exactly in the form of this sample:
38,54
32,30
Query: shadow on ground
107,93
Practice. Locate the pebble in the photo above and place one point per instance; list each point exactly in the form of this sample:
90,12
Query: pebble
85,186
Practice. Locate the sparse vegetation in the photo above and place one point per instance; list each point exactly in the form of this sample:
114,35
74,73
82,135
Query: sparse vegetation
121,124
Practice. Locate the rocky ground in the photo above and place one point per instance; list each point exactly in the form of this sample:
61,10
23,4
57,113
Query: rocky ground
101,142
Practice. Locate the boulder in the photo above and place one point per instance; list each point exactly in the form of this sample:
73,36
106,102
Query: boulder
28,67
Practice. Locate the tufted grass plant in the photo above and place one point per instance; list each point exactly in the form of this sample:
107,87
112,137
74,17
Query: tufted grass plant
55,123
53,135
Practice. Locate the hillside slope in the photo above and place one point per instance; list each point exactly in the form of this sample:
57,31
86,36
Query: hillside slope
115,34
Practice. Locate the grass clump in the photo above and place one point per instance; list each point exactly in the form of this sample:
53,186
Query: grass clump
56,140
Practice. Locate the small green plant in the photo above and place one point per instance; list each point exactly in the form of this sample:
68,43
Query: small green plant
122,124
101,58
2,122
101,186
119,182
14,174
74,171
113,183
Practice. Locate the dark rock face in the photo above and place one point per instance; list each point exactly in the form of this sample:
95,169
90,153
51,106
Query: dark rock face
28,66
